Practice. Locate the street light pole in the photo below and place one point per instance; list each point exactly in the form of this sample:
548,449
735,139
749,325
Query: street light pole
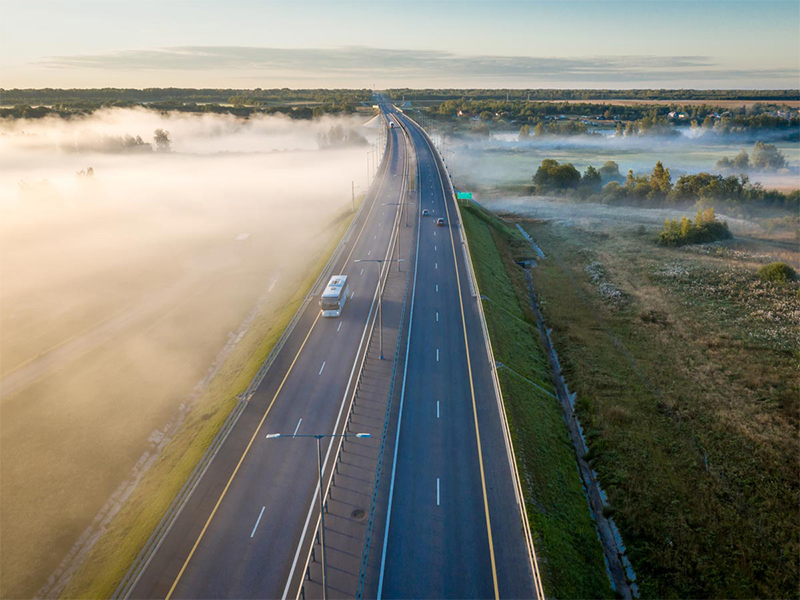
397,238
319,437
380,262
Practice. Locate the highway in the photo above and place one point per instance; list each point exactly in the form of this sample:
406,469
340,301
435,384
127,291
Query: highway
251,520
454,527
450,524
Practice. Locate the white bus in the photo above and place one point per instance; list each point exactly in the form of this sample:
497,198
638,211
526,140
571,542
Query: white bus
334,296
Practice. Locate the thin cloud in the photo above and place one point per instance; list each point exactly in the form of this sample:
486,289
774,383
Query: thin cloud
412,65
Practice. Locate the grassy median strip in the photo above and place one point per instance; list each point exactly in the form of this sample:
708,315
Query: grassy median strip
570,554
112,555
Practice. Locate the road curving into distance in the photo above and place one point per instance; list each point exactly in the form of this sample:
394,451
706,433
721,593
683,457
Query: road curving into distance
450,519
454,527
240,533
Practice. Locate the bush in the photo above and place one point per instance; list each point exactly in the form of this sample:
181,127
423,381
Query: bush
779,272
705,228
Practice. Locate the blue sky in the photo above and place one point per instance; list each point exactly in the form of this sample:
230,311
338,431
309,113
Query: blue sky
233,43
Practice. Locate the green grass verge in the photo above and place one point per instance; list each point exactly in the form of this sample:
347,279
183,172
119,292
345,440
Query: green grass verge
569,551
112,555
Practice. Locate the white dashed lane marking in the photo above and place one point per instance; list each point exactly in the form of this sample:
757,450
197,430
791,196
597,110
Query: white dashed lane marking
252,533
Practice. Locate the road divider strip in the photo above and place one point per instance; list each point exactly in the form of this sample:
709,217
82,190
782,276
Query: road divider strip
365,555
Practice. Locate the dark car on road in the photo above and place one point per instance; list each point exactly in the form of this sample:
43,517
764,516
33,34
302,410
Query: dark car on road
440,222
425,212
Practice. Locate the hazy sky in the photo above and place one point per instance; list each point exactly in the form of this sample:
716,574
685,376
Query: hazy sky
247,44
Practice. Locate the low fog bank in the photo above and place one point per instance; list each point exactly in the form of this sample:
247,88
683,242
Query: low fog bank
586,215
504,158
190,133
122,276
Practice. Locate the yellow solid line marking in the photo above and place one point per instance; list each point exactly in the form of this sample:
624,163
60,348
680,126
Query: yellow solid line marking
241,460
472,391
264,418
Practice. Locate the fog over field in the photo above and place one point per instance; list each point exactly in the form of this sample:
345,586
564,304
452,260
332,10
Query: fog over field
120,287
505,158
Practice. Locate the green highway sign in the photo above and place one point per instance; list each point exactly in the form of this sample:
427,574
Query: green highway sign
464,195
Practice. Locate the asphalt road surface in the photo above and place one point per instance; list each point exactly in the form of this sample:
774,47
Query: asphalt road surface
246,526
454,529
454,526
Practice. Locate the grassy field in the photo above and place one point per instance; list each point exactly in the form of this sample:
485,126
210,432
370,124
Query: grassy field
569,552
110,558
686,371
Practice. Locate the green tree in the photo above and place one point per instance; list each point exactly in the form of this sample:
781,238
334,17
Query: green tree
553,176
742,161
620,131
591,178
538,131
610,171
524,132
685,226
660,179
767,157
162,140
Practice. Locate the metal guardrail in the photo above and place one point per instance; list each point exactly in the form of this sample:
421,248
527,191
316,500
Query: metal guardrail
145,556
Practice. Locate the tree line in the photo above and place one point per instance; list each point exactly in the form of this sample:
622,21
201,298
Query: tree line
296,104
607,185
763,157
67,111
592,94
568,118
50,96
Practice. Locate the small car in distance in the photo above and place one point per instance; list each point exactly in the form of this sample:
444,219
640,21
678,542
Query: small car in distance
440,222
426,212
